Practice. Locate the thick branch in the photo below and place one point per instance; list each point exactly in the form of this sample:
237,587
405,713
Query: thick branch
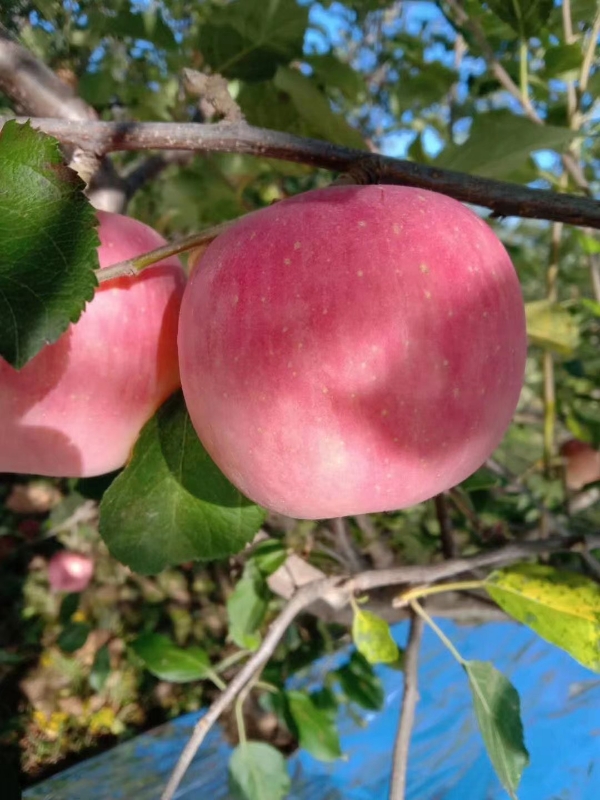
36,90
504,199
410,698
311,592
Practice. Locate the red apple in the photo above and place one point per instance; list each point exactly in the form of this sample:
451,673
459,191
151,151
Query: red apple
352,349
78,406
582,463
70,572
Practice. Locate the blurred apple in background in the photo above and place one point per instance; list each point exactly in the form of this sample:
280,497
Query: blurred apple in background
70,572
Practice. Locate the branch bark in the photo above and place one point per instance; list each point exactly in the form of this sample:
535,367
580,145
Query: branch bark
311,592
410,698
504,199
36,90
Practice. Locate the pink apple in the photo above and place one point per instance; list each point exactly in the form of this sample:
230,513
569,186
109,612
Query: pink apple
70,572
582,463
77,407
353,349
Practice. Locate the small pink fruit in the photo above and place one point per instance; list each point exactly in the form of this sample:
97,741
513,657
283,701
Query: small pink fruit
352,349
582,463
76,409
70,572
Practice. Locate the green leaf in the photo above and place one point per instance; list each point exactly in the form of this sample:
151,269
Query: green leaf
372,637
315,108
169,662
247,607
330,71
249,39
258,771
482,479
561,607
100,669
47,244
360,684
429,85
171,503
500,144
550,326
269,556
73,636
314,728
525,17
563,61
68,607
497,707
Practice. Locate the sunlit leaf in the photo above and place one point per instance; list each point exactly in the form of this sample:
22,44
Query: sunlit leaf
257,771
498,710
562,607
372,637
549,325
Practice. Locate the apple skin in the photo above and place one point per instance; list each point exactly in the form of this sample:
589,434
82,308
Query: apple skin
582,464
352,349
76,409
70,572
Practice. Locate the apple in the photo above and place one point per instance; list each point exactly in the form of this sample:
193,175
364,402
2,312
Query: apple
77,407
352,349
70,572
582,464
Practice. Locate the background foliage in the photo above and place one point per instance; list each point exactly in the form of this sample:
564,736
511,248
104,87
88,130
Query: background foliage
421,80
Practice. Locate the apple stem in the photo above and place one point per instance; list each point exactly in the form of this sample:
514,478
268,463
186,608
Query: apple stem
418,609
133,266
424,591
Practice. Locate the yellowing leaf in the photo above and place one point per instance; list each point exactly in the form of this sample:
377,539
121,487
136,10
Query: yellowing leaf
550,326
562,607
373,639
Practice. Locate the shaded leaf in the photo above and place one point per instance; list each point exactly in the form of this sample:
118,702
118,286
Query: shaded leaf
73,636
562,607
314,727
482,479
500,143
563,61
373,638
246,608
315,108
269,556
68,607
549,325
249,39
100,669
333,72
169,662
525,17
498,710
258,771
171,503
360,684
47,244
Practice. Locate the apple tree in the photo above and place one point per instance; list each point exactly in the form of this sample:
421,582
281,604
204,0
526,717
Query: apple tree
269,263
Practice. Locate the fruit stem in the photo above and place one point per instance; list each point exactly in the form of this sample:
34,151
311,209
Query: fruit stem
424,591
418,609
132,266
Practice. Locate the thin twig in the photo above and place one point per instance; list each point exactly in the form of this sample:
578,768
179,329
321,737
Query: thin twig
443,517
365,581
410,698
502,76
504,199
588,58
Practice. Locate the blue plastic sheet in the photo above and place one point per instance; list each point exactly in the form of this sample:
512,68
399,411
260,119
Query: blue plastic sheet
560,708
